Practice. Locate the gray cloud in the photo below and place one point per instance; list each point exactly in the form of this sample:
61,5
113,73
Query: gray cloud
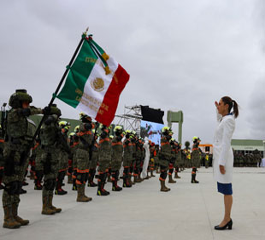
181,55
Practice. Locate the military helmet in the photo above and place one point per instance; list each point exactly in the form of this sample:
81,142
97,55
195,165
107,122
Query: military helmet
166,129
55,110
17,98
83,116
77,129
64,124
118,130
195,138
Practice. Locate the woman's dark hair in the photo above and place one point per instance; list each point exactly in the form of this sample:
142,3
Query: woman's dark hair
231,104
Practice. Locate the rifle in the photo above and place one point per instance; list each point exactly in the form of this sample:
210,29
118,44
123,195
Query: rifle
3,120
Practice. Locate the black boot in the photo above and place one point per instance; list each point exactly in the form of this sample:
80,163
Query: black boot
101,191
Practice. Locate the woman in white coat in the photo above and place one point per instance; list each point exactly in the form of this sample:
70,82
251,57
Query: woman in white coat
223,158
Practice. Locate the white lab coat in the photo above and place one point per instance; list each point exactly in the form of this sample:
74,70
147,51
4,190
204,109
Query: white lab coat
222,150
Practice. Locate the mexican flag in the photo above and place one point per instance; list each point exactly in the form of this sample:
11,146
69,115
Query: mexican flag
94,82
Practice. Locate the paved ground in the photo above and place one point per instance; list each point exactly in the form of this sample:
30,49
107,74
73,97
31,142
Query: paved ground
188,211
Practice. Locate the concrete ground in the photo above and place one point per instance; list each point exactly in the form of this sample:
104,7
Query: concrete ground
188,211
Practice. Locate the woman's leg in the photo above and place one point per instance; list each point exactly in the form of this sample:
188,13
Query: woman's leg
228,201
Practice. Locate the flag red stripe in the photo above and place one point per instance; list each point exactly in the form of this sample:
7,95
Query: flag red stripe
109,104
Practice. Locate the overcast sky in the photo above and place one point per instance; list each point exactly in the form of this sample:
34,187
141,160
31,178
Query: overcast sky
180,54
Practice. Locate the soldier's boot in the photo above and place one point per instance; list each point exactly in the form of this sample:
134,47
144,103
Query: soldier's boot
101,191
81,197
136,179
9,221
23,222
176,175
70,179
38,185
193,180
57,210
152,173
115,186
59,190
74,188
46,210
163,186
126,182
170,179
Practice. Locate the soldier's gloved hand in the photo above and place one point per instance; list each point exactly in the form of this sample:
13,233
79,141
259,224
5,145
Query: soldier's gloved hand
23,112
46,110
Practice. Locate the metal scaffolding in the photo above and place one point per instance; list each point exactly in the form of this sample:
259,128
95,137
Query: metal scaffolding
131,119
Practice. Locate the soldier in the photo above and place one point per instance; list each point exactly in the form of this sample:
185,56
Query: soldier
104,160
172,160
152,159
165,155
257,157
207,160
93,163
82,156
195,159
127,155
138,162
188,154
178,161
63,157
50,136
38,166
19,137
116,157
74,147
133,138
1,156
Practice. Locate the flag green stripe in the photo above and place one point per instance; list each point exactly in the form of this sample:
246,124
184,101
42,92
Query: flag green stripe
78,74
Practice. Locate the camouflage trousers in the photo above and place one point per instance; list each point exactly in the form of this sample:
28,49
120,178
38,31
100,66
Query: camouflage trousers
16,163
49,161
115,165
81,157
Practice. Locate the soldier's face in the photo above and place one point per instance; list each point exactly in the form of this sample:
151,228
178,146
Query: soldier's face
25,104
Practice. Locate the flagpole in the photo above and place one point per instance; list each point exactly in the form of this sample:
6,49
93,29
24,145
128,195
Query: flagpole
59,86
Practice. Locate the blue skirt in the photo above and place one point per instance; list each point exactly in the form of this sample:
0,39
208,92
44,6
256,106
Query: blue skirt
225,188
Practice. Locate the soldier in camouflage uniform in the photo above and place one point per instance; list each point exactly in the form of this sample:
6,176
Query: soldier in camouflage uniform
93,163
127,156
152,159
50,136
257,157
165,156
82,156
19,137
1,157
38,166
116,157
195,159
104,155
63,157
74,147
207,160
172,160
178,161
138,162
133,138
